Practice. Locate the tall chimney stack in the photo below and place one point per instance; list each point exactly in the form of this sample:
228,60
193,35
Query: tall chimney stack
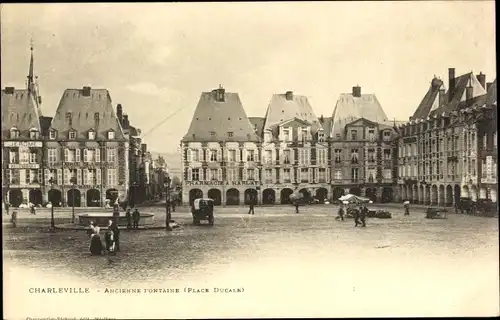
442,97
119,113
289,95
125,121
356,91
482,79
488,85
451,86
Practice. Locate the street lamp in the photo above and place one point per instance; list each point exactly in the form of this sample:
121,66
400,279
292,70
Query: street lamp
52,222
73,183
167,203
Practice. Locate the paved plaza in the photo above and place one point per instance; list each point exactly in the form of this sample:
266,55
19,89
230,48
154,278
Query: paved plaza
291,264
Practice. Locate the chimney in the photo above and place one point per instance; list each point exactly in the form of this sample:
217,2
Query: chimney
468,93
86,91
144,148
488,85
321,119
219,94
125,121
442,97
119,113
9,90
451,86
289,95
482,79
356,91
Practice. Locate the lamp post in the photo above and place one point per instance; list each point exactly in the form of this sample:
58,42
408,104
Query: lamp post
167,203
52,222
73,184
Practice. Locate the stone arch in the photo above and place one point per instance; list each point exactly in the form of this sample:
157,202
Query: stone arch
195,194
15,197
74,197
232,197
465,191
457,194
434,195
35,196
321,194
216,196
112,195
355,191
268,196
285,195
250,195
449,196
337,193
441,196
473,193
387,194
305,193
483,193
93,198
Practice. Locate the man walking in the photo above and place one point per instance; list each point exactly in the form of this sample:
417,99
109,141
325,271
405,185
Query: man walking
252,204
116,235
356,212
136,216
341,212
128,216
407,209
363,214
7,208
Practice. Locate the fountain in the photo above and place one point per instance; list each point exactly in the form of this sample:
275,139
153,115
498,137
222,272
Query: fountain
102,218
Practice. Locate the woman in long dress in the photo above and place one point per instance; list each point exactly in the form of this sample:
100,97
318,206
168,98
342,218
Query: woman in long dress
95,240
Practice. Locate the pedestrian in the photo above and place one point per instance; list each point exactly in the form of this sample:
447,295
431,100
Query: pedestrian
296,203
109,239
96,246
252,204
13,219
116,212
116,235
7,205
136,216
33,210
363,214
341,212
128,215
407,209
356,213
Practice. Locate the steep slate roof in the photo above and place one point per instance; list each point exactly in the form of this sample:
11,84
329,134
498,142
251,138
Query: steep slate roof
326,124
82,109
45,125
280,109
221,118
492,93
258,124
349,108
19,110
429,100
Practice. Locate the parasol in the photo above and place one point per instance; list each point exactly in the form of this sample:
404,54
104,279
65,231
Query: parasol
406,202
353,199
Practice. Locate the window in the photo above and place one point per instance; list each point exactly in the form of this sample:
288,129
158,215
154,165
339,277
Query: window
473,167
111,155
371,135
230,134
33,134
337,175
52,134
96,118
321,175
72,135
230,175
387,135
371,155
354,155
268,156
250,174
232,155
111,135
286,134
321,156
69,119
286,175
495,139
14,133
304,134
33,156
196,175
355,174
213,155
269,175
387,173
286,156
213,174
387,154
91,135
371,173
338,155
321,136
52,154
304,175
337,135
251,155
195,154
354,135
212,133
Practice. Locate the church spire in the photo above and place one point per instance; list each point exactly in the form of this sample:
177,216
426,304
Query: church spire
33,82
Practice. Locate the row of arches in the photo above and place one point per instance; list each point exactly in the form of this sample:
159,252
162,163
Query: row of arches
269,195
73,197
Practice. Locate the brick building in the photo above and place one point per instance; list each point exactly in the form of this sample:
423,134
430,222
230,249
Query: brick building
448,148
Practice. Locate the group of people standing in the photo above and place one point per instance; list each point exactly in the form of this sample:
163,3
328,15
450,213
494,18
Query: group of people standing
111,238
359,214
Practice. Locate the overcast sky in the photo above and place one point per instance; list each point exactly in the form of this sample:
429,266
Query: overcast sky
157,58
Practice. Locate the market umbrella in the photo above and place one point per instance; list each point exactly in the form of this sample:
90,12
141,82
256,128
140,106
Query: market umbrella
351,198
406,202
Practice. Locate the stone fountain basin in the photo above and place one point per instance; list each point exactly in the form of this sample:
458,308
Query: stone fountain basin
102,219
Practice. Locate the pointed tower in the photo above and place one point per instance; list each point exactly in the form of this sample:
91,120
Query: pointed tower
32,84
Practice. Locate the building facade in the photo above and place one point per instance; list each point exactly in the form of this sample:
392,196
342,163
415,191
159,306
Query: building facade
362,147
86,156
448,148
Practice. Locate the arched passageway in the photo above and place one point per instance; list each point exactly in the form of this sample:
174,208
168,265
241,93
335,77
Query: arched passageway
285,196
194,194
232,197
93,198
36,196
268,196
216,196
74,198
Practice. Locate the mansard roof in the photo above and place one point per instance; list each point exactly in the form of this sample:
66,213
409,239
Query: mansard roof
258,125
220,117
296,106
19,110
83,105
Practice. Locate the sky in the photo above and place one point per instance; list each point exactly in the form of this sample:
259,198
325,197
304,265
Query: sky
157,58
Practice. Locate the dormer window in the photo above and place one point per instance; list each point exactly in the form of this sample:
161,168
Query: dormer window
14,133
212,133
230,134
111,135
321,136
72,135
34,133
91,135
52,134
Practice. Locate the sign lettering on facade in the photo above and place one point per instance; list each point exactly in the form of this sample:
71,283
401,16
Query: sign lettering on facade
26,144
24,166
220,183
